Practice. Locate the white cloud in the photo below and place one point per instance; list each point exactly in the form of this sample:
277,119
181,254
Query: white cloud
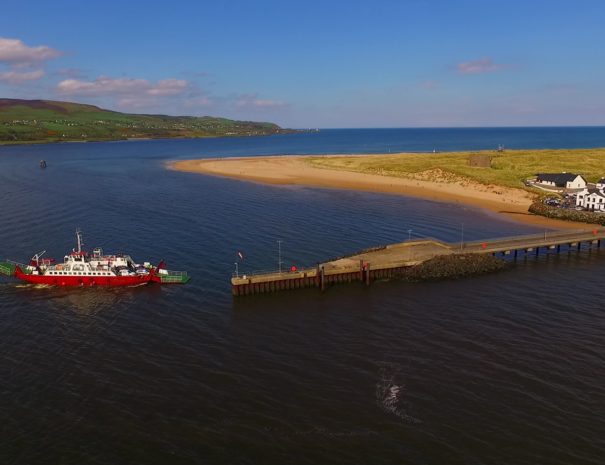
18,77
252,101
72,73
169,87
15,53
166,96
483,65
104,85
130,93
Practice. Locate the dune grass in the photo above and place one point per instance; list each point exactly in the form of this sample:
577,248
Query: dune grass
509,168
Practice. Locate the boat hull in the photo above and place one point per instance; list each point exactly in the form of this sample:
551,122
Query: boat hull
80,269
84,281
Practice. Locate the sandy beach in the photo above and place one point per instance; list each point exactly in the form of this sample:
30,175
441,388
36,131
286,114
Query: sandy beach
294,170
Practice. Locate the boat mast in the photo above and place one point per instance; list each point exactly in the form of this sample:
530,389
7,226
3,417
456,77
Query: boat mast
37,257
79,238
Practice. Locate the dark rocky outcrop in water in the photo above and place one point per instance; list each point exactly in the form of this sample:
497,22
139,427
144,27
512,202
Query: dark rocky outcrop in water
453,266
539,208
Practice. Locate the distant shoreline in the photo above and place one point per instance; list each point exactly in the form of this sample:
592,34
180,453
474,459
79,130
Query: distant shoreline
126,139
296,170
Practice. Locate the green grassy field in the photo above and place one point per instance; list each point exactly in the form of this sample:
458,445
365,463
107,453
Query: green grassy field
31,121
509,168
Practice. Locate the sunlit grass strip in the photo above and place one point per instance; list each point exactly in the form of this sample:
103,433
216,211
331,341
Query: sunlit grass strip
509,168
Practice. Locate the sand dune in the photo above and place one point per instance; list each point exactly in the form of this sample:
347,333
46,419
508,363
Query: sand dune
294,170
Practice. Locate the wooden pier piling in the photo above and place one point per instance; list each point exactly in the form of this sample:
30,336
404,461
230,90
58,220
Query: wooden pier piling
395,259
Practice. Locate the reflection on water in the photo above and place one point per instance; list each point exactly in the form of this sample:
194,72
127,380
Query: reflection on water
503,368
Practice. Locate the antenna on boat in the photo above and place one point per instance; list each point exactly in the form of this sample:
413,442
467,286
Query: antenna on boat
79,238
36,258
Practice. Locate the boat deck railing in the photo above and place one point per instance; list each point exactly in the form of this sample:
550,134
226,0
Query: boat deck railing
7,267
546,235
177,277
273,271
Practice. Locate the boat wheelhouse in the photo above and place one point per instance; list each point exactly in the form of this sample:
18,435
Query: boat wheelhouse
80,268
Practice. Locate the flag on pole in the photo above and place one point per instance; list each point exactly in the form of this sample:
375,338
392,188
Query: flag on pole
240,255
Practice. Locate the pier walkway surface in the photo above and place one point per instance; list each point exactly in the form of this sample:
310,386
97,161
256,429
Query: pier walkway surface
387,261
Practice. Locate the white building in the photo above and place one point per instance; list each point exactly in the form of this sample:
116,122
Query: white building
601,184
591,199
561,180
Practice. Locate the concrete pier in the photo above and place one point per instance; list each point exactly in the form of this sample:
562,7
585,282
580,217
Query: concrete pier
392,260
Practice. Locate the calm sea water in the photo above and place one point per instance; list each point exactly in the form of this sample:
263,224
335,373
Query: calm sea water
500,369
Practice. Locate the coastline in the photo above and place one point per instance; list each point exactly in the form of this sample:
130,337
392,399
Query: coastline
294,170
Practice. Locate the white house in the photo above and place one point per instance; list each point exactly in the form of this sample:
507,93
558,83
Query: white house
591,199
561,180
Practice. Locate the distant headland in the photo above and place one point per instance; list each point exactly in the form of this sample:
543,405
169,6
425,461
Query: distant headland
43,121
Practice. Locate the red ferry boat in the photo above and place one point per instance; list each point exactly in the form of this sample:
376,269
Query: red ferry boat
80,268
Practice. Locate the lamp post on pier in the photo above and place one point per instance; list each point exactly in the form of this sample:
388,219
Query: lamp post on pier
279,255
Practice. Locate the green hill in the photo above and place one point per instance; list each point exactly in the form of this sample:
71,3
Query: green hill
30,121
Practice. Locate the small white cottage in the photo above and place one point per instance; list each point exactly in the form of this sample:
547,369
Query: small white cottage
561,180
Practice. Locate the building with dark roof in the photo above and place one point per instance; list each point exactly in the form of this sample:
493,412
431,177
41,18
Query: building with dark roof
561,180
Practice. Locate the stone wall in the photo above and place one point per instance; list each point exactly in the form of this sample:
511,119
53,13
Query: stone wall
539,208
453,266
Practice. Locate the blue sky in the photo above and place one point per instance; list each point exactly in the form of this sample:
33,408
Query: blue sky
407,63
